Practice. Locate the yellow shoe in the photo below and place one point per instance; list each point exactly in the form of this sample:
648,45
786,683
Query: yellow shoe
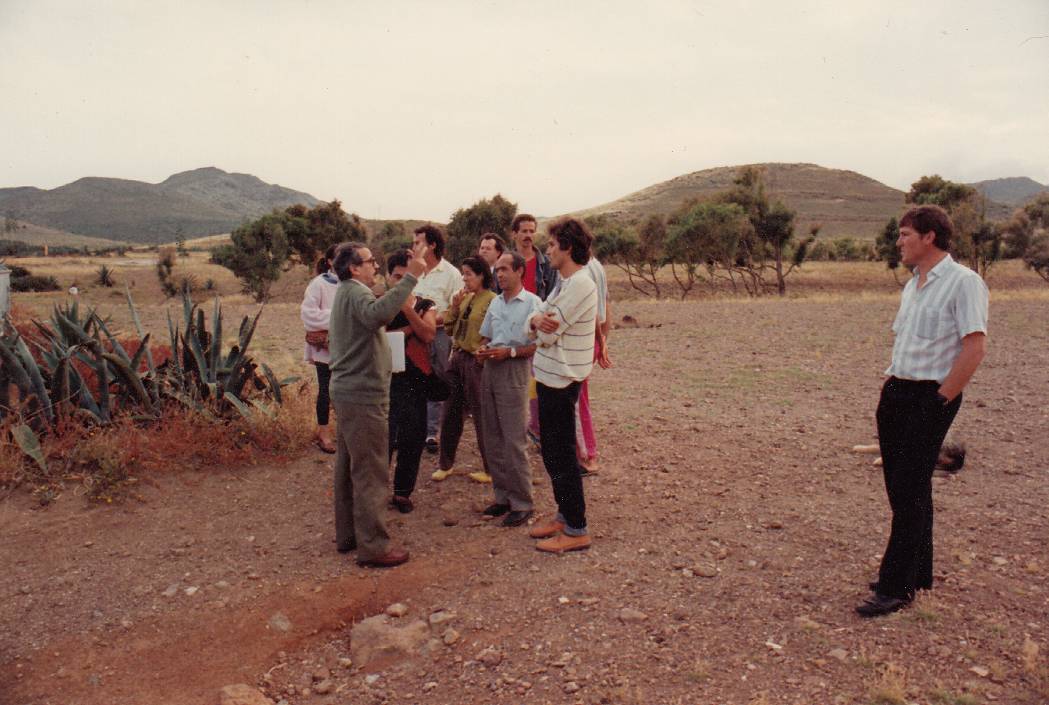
564,542
546,528
441,475
481,476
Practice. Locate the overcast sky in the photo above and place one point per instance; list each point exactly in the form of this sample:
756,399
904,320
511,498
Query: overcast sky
414,109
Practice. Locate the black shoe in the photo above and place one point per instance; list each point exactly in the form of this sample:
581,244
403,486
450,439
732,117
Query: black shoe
351,546
517,518
432,445
401,504
496,510
878,605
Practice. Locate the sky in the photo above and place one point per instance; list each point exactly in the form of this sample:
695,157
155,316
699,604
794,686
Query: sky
415,109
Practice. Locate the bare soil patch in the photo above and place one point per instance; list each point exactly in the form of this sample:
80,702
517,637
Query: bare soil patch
731,523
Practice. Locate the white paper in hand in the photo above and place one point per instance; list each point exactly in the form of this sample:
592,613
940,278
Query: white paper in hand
396,341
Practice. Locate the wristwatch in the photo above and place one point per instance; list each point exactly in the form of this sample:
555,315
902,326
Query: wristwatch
513,352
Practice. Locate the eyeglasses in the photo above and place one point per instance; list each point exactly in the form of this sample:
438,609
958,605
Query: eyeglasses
372,261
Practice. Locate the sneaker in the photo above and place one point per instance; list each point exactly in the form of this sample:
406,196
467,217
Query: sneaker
564,542
546,528
481,476
517,517
431,444
441,475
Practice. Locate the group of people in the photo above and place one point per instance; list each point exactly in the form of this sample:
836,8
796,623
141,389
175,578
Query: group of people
514,320
477,342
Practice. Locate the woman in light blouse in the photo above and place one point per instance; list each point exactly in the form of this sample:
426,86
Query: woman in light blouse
316,312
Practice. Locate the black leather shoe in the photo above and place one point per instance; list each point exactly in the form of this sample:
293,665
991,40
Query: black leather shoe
401,504
496,510
878,605
517,518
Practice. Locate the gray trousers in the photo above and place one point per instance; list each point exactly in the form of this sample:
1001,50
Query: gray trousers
443,347
504,420
362,478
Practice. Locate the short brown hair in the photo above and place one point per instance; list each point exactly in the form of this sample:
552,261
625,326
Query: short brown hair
500,246
930,219
434,238
522,218
573,235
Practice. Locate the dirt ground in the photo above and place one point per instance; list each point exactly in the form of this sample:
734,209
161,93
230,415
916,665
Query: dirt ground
734,532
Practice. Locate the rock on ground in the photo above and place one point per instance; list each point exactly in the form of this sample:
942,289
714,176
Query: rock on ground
242,694
375,636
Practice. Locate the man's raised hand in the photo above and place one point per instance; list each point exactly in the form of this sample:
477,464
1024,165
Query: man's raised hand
417,264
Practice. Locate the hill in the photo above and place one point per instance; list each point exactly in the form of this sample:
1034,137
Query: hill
844,202
39,235
192,203
1012,191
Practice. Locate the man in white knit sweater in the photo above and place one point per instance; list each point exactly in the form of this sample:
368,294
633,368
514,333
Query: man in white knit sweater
564,330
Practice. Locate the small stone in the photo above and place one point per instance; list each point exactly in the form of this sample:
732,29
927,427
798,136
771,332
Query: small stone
705,570
126,623
450,636
222,585
170,590
440,617
324,687
89,544
773,646
429,685
775,525
397,609
321,674
371,679
806,623
687,572
24,590
571,687
981,671
563,601
630,615
242,694
1000,560
97,614
588,601
192,590
280,622
840,654
450,521
346,662
490,657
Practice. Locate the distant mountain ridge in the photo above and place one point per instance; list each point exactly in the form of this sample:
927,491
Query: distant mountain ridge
844,203
196,203
1011,191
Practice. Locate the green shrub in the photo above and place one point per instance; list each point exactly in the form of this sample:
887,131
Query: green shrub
34,282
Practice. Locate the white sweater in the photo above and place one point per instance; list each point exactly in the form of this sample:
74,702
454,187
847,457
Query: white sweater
567,354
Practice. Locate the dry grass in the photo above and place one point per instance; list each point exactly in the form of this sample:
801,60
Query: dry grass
890,686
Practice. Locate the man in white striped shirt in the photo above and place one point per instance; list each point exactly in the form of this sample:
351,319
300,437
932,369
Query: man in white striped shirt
564,327
941,338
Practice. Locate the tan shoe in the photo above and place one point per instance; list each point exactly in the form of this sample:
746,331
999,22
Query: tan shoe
546,528
563,542
441,475
481,476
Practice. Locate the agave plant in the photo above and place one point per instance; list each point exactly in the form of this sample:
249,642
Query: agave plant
203,377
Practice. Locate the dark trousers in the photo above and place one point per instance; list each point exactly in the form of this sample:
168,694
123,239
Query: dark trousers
464,377
558,441
912,423
407,429
323,399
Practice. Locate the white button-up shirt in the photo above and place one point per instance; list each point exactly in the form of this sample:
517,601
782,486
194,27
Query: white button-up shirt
932,321
440,284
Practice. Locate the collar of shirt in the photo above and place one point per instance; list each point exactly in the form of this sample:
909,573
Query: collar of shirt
358,282
519,296
439,267
938,269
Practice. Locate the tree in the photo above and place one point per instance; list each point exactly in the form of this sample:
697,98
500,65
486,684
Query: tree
1036,248
977,241
311,231
772,232
887,249
392,236
257,252
640,254
702,239
468,224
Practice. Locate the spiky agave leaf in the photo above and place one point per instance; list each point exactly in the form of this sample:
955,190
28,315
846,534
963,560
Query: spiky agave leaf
30,444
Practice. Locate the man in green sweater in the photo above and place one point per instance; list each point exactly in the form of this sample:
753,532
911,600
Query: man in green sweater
360,391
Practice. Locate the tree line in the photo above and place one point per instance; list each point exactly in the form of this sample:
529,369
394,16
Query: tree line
743,238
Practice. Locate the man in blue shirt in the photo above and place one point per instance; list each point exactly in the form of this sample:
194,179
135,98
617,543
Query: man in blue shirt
506,354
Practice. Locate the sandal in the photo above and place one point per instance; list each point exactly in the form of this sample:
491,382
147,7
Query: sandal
326,447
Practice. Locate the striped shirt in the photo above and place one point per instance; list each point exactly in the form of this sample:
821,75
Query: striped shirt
932,321
567,354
